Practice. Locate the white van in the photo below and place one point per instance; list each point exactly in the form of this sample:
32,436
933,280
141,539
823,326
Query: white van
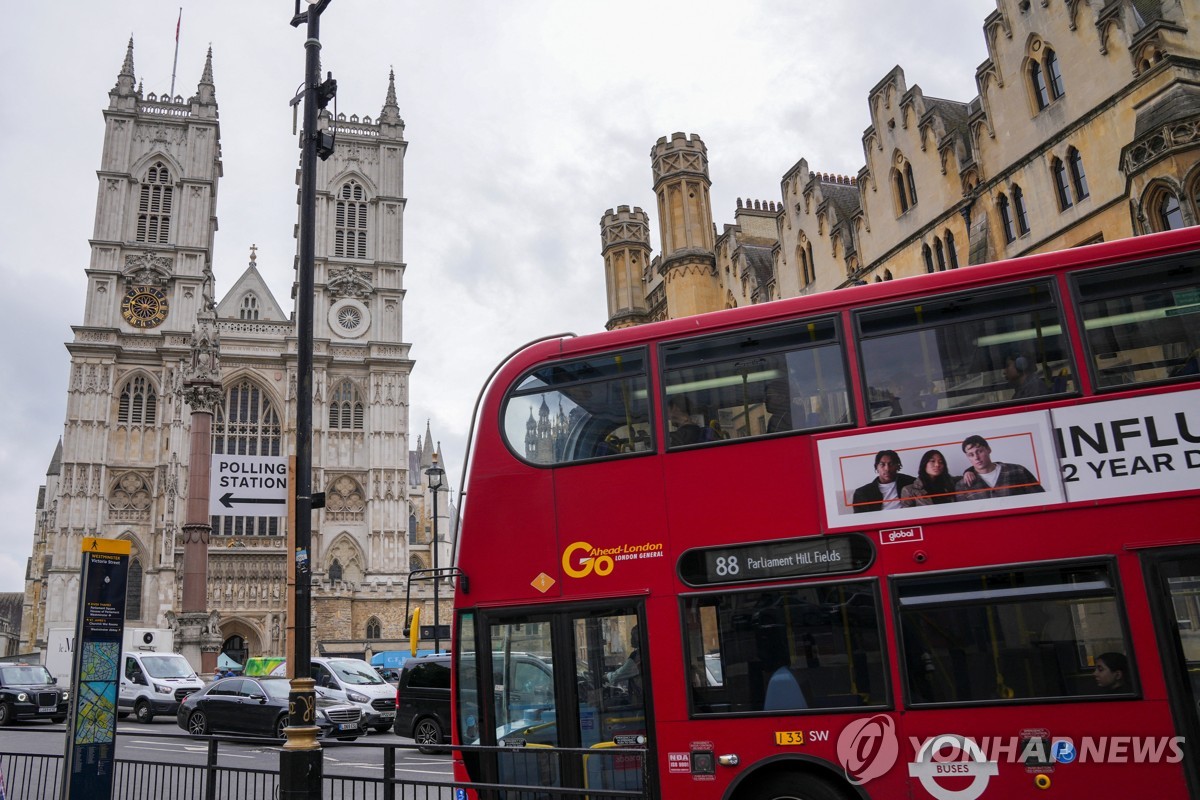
154,683
353,680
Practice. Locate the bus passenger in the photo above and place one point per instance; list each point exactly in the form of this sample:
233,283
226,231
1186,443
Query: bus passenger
884,491
1027,383
630,671
986,478
1111,671
683,430
933,485
778,403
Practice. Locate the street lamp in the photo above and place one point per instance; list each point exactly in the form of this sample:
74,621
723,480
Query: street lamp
436,476
300,762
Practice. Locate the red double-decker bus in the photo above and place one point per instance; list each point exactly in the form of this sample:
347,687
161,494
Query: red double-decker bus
938,537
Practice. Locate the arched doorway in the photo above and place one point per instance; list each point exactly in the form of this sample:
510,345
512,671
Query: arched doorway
235,647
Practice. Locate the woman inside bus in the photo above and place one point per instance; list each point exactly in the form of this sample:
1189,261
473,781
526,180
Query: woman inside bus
1111,671
934,484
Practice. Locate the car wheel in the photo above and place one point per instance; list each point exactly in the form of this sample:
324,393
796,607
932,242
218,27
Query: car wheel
197,724
58,720
347,738
143,713
122,714
6,714
427,732
383,728
280,726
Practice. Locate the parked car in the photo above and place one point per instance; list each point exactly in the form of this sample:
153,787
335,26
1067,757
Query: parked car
389,674
154,683
29,691
259,707
352,680
423,695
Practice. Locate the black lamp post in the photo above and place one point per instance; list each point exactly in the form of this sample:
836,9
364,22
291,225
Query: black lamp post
300,760
436,476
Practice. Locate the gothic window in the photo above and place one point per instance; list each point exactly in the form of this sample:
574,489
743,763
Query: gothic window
344,500
412,528
335,571
1022,213
940,252
950,250
154,206
246,424
905,186
249,309
350,234
346,408
133,590
415,563
887,274
927,254
901,192
130,499
1037,82
1006,219
138,405
1054,74
374,629
1062,189
1170,215
912,184
1078,176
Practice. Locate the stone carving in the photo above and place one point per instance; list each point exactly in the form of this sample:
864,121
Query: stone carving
148,269
349,282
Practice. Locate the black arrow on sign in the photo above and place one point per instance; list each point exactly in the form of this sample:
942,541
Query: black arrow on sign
228,500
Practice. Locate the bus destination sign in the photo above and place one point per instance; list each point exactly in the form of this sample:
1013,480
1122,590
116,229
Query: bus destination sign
784,559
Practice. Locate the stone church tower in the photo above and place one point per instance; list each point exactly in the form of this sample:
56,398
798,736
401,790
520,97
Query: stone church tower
121,470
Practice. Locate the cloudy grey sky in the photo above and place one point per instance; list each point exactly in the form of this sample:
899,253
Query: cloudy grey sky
526,119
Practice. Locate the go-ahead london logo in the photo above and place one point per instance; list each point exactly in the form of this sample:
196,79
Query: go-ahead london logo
867,748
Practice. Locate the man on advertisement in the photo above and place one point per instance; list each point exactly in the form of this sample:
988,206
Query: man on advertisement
986,478
884,491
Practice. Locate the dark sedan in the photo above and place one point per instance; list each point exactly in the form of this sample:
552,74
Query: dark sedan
259,707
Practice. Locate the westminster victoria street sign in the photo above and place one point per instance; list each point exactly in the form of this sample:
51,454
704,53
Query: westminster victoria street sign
248,486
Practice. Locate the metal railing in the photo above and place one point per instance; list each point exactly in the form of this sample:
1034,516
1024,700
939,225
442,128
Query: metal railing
521,773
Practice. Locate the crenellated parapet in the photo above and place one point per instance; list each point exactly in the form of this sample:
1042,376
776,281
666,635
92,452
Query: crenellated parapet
680,155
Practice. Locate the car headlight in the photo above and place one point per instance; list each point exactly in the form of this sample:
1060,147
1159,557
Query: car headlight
357,698
321,714
22,697
66,695
162,689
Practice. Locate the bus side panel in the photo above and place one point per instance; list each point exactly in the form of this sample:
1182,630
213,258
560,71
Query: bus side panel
520,521
613,535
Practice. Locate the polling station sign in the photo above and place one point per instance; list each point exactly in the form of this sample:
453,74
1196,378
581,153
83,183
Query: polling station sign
248,486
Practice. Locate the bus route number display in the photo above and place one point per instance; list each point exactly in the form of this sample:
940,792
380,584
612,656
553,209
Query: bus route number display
779,560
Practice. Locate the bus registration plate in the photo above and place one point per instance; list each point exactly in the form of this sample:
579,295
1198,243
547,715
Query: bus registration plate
789,737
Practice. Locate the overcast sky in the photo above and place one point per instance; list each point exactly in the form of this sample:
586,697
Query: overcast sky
525,122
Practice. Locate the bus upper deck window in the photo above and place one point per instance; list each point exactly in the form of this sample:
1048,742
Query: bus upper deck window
962,351
571,411
754,382
1142,322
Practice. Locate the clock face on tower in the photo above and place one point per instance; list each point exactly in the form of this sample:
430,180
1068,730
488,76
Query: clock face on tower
144,306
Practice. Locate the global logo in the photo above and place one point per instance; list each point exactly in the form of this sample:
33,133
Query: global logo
868,748
1063,750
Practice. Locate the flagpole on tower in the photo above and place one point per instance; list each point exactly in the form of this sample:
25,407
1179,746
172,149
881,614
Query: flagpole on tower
176,64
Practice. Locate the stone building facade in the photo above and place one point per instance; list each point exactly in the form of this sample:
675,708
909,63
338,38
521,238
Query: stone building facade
121,467
1086,128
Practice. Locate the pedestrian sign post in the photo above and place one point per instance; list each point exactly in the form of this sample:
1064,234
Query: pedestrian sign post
248,486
